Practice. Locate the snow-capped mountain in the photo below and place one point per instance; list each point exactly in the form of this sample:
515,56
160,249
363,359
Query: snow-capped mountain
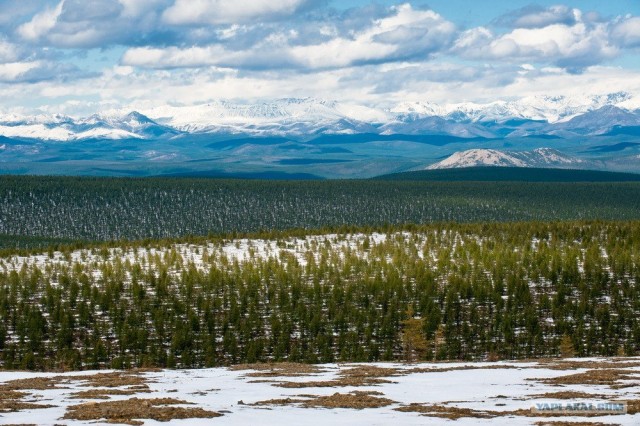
559,116
550,109
281,117
132,125
541,157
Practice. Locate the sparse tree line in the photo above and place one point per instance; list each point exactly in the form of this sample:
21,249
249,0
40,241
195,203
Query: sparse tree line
454,292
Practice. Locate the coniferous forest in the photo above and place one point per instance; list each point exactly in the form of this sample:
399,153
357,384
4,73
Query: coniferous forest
107,272
414,292
43,211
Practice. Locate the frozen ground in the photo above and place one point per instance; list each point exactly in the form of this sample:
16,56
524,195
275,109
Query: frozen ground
474,393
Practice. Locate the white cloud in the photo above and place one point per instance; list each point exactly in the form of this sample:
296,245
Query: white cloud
574,46
135,8
405,33
41,24
539,17
627,32
189,12
14,71
8,52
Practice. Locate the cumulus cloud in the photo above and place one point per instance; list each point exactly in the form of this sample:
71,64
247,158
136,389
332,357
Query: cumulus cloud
535,16
9,52
38,71
190,12
404,34
98,23
627,32
41,23
570,46
198,50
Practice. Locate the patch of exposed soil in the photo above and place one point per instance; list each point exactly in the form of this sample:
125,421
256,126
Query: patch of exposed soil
361,375
610,377
106,393
282,369
357,400
34,383
12,397
113,380
132,410
572,395
444,411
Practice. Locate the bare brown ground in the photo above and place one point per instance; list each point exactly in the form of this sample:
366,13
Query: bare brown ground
572,395
459,368
617,363
12,398
445,412
608,377
361,375
34,383
356,400
113,380
106,393
282,369
132,410
13,392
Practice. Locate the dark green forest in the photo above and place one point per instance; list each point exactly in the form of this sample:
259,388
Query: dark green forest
440,291
40,211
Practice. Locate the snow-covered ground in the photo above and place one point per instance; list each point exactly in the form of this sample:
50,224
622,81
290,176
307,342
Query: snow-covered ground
485,388
203,255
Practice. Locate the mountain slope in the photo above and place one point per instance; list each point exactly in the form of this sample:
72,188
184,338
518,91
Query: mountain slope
541,157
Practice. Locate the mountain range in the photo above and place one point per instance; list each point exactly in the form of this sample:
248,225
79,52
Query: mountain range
534,116
328,138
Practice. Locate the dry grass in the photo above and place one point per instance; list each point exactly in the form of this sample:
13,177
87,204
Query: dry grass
34,383
459,368
113,380
633,406
445,412
361,375
132,410
558,364
571,395
282,369
610,377
280,401
106,393
10,406
12,397
356,400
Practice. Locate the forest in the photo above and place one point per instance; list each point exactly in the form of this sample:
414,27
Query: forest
439,291
44,211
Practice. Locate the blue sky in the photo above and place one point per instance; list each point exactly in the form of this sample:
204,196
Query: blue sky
79,57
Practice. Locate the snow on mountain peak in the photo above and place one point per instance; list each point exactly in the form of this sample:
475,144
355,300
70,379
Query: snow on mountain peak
563,116
540,157
478,157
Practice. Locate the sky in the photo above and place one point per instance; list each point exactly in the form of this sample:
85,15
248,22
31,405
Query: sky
84,56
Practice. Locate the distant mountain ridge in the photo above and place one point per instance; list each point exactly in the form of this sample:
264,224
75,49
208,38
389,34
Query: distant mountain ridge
562,117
